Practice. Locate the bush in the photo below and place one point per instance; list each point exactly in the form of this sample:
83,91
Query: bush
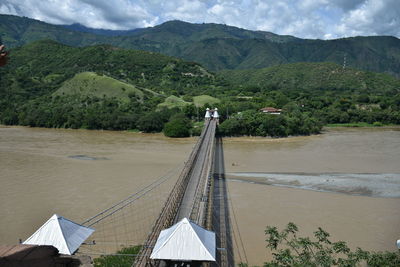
118,260
254,123
150,122
292,250
178,126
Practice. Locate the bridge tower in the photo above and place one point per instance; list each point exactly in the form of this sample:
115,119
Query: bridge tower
208,114
216,115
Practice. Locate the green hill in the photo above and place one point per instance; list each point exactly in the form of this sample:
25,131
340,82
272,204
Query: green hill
217,46
201,100
49,84
173,102
89,84
312,76
198,101
41,67
17,31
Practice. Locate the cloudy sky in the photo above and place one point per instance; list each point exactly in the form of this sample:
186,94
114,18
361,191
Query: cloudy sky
325,19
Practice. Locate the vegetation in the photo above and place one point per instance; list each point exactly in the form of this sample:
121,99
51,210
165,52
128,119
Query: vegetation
90,84
322,90
47,84
312,76
292,250
258,124
202,100
216,46
178,126
118,260
173,102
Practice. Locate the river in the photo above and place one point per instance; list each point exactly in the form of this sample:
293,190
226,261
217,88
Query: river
344,180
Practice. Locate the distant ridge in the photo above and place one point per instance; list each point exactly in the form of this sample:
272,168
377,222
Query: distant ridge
216,46
81,28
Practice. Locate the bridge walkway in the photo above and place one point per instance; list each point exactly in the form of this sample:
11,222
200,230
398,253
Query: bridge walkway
189,197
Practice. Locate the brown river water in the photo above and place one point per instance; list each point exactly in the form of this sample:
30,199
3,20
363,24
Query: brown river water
346,181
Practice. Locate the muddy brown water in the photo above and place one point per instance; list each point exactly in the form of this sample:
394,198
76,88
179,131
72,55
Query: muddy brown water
372,223
77,173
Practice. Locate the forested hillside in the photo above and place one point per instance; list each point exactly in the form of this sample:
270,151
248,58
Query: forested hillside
312,92
314,76
49,84
99,87
216,46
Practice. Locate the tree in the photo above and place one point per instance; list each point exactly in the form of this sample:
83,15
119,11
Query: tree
178,126
292,250
150,122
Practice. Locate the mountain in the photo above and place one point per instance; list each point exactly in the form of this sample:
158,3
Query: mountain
81,28
313,76
48,84
41,67
17,31
217,47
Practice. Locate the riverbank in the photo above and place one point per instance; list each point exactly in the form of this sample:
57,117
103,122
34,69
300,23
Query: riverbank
362,124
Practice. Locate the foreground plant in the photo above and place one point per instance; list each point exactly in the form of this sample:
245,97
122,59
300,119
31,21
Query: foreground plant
292,250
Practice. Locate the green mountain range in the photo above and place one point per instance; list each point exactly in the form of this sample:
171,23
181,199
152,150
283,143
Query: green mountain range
49,84
216,46
313,76
41,67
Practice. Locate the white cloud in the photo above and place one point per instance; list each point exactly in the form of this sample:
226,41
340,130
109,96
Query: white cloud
373,17
8,9
306,18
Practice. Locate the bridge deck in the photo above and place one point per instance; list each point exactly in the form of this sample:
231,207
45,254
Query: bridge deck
197,178
193,202
187,196
221,219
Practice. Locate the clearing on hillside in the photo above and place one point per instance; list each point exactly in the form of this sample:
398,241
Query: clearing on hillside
173,102
92,84
201,100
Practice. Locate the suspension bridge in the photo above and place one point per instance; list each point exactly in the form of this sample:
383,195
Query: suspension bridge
196,191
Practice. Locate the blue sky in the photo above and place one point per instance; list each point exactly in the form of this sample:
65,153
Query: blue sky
323,19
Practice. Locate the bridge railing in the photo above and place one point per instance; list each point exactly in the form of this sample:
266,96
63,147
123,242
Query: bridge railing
200,207
174,200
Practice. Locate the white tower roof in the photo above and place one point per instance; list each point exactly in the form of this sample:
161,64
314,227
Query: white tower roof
185,241
61,233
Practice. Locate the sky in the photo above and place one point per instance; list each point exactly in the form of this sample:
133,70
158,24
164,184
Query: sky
322,19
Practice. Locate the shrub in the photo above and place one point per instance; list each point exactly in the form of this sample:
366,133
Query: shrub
178,126
118,260
293,250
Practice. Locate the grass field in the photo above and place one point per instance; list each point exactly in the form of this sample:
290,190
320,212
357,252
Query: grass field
201,100
173,102
91,84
